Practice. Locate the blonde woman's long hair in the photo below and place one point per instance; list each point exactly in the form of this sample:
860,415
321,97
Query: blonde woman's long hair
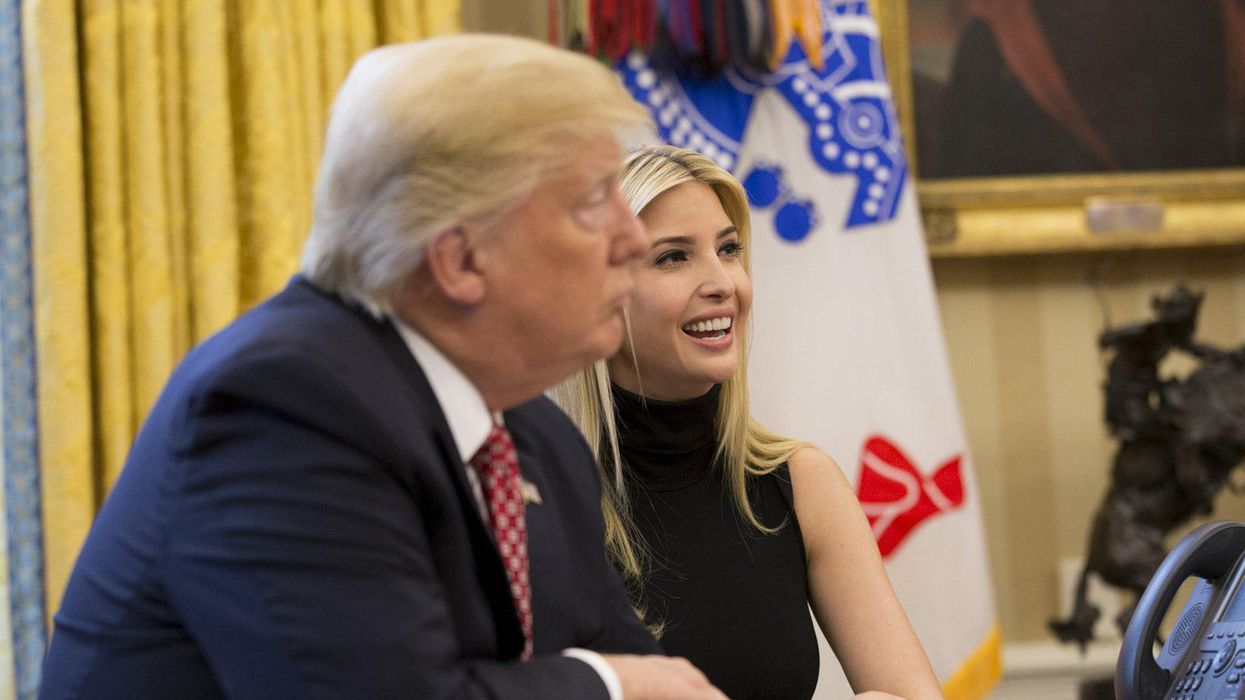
745,448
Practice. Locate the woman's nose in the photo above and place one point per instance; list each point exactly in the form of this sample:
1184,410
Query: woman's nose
718,283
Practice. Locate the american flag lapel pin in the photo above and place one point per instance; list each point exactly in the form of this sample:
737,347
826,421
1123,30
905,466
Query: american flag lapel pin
531,494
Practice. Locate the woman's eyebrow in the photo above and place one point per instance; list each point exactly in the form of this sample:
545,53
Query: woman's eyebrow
685,240
689,240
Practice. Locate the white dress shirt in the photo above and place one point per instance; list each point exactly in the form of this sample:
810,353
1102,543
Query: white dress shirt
470,422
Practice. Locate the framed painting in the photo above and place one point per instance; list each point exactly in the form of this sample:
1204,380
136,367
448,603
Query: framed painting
1062,125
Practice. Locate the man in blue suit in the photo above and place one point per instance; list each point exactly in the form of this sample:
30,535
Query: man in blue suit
324,501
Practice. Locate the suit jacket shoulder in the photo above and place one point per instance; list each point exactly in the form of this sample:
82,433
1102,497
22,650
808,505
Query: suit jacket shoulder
293,522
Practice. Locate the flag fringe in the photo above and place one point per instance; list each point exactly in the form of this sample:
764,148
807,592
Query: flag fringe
979,672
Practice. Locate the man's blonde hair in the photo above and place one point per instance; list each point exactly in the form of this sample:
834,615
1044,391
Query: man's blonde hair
745,448
427,135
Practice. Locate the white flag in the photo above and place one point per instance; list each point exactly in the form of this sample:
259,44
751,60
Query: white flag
847,346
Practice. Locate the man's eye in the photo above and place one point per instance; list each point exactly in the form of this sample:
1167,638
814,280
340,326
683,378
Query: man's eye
590,212
595,198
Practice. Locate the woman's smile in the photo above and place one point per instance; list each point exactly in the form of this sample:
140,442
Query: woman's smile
714,333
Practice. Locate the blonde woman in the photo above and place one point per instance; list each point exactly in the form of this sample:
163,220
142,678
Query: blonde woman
725,531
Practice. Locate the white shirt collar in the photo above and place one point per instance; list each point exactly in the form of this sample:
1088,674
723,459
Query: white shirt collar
470,423
464,408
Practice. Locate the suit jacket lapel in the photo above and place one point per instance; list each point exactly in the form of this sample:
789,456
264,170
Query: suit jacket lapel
487,558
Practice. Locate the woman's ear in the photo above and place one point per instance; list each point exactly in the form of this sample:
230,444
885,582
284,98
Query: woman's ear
451,258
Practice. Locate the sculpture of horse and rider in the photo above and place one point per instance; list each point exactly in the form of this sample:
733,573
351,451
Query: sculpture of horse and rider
1179,441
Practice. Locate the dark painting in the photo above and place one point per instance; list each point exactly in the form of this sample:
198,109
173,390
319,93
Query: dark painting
1031,87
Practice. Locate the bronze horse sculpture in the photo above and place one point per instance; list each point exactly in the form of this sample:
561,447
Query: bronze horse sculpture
1179,441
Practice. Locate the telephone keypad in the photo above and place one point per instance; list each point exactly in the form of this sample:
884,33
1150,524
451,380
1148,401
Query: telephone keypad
1216,669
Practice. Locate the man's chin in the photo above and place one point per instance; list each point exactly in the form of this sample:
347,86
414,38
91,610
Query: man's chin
604,341
608,342
616,330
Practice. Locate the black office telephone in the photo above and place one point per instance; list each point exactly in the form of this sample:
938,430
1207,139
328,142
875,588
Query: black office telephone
1204,656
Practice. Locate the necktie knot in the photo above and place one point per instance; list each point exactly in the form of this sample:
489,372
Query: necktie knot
496,458
497,464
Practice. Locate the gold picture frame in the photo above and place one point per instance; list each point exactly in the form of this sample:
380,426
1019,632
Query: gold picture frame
993,216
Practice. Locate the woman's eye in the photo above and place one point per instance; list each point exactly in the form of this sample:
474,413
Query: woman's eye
671,257
731,249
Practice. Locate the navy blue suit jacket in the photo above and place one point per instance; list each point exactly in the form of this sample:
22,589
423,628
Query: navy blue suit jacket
294,521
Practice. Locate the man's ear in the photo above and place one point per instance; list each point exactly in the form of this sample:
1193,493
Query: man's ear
451,259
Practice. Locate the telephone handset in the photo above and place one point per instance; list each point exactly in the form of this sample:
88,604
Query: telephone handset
1204,656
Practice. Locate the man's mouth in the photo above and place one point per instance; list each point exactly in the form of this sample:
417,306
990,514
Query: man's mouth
709,329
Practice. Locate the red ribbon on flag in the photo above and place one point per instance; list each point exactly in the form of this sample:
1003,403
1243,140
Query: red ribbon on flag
896,497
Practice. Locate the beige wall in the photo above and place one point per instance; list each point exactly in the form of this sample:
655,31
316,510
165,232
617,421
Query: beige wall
1021,333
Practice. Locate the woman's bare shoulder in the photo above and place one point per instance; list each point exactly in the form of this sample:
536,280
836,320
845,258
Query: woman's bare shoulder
812,469
822,491
811,459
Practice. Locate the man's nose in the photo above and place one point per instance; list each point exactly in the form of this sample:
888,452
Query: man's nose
630,237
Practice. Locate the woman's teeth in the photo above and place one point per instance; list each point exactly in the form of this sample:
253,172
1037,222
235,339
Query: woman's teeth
713,324
712,328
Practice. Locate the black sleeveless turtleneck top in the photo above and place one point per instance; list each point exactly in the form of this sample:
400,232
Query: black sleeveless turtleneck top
733,600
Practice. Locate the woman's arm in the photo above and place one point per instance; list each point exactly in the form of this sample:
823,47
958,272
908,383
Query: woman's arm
850,594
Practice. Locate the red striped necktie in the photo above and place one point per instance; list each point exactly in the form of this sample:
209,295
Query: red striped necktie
497,464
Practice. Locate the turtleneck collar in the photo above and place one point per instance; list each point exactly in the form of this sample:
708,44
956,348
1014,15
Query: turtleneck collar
666,445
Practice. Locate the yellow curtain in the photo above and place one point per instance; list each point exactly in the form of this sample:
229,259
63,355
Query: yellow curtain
173,145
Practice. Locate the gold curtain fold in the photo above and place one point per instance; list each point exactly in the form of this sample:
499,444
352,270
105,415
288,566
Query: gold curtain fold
173,147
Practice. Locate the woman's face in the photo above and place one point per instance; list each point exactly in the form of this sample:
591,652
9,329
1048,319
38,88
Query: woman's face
691,298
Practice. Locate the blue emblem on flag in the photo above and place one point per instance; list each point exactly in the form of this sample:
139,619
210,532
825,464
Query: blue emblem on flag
846,107
767,188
